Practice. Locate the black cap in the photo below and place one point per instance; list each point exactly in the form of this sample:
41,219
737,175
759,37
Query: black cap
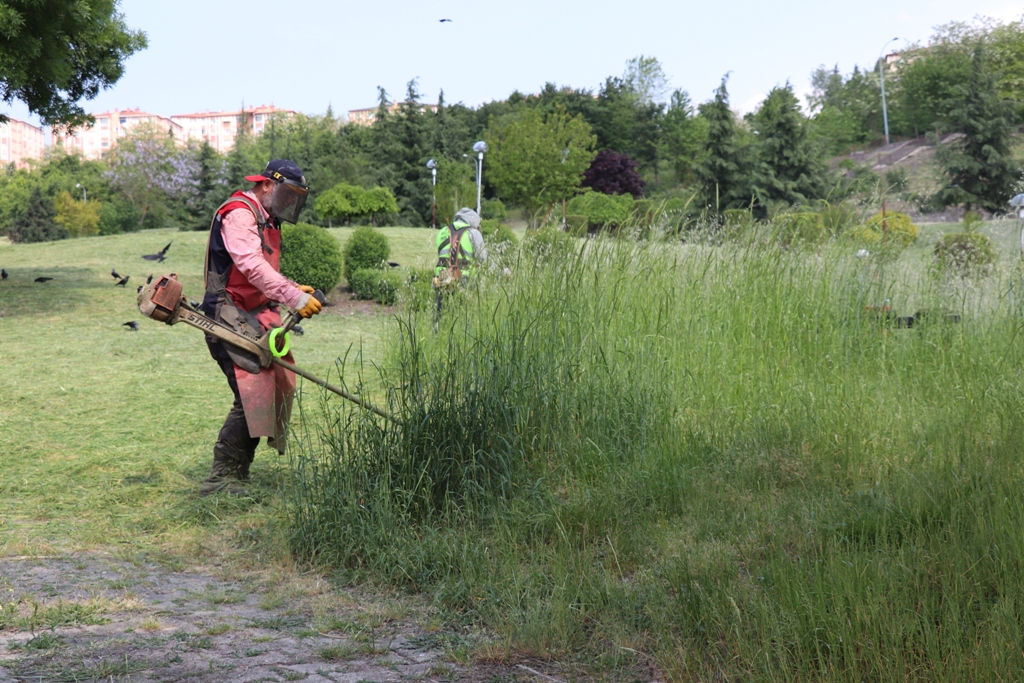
279,169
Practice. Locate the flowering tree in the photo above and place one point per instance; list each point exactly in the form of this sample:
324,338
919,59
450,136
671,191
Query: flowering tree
149,169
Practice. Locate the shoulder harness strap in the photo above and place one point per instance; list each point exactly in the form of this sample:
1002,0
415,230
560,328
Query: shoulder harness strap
261,224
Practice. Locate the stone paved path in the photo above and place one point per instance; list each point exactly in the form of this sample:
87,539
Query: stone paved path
98,618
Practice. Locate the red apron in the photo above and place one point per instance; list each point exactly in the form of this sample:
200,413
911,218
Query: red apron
266,397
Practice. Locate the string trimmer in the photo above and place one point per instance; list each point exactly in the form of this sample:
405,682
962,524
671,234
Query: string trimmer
163,301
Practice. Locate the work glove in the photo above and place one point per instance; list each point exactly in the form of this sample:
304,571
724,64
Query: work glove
312,306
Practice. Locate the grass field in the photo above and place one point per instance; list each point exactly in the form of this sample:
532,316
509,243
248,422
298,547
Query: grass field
687,463
105,431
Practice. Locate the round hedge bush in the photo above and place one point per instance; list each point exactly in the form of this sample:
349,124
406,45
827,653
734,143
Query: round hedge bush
310,256
966,254
602,210
806,227
898,227
366,248
374,284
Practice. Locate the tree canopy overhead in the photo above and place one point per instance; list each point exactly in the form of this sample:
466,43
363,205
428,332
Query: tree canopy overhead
55,53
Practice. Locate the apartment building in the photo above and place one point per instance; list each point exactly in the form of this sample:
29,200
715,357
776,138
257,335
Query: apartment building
95,141
366,117
19,142
220,128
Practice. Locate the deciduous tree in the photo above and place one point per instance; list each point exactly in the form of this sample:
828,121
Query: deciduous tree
614,173
536,161
375,202
341,202
54,53
79,218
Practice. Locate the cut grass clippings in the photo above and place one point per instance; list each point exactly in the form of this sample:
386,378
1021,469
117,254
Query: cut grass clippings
107,432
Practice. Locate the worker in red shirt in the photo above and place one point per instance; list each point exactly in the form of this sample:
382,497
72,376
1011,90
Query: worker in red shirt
244,287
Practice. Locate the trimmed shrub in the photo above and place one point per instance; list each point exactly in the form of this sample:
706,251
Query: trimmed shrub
736,222
493,208
366,248
965,254
547,243
804,227
374,284
645,212
576,225
863,234
418,294
602,210
898,228
504,234
488,227
310,256
838,218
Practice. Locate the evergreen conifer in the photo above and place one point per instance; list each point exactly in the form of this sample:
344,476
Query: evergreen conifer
37,222
722,174
980,165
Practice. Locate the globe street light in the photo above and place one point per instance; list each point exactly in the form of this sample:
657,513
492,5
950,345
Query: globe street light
432,165
480,147
881,78
83,190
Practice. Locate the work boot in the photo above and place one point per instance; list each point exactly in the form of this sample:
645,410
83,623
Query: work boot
225,475
243,467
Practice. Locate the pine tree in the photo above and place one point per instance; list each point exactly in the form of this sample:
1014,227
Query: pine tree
723,172
412,186
37,222
980,164
790,167
211,186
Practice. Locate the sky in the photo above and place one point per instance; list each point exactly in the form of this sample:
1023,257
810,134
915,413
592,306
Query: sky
307,55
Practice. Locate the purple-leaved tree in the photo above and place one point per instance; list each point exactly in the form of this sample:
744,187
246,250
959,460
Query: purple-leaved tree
614,173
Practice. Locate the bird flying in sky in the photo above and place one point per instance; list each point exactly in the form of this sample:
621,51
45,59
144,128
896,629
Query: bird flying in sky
160,255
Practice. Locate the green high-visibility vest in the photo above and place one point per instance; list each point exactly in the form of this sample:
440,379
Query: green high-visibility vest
464,254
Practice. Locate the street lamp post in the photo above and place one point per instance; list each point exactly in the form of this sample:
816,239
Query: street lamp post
881,79
432,165
480,147
83,190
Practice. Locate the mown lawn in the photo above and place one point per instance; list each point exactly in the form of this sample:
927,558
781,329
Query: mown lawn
105,432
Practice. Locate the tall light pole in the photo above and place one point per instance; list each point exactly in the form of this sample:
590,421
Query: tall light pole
881,78
432,165
83,190
480,147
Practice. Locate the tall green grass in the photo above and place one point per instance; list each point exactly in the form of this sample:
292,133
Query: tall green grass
716,461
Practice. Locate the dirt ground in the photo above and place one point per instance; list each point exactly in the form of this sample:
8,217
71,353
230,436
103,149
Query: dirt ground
99,618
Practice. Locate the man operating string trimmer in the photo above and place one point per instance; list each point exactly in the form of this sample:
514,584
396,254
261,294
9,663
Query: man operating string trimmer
243,288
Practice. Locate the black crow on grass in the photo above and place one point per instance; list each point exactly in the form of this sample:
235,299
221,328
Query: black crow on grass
122,282
42,279
131,325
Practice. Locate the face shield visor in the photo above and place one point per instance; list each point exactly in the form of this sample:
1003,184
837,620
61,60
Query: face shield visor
287,201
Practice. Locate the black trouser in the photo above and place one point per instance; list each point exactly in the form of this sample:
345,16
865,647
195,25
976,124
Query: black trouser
235,449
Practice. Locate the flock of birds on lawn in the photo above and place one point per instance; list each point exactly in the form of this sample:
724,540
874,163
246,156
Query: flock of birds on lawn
119,281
